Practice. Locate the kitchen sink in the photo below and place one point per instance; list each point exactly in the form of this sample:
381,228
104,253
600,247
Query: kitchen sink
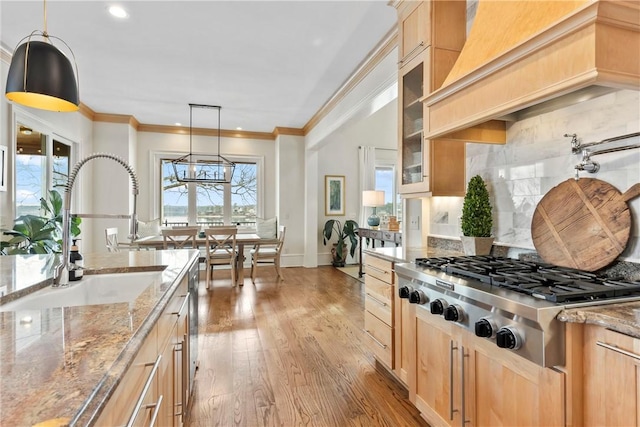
91,290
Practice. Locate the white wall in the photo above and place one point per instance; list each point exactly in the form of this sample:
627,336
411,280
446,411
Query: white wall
538,157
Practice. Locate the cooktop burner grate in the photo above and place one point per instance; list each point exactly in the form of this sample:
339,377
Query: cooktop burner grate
540,280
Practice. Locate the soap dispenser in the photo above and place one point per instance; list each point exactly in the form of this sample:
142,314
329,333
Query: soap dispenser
75,262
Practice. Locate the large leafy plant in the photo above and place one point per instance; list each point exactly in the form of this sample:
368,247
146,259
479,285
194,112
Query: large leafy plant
348,231
476,209
34,234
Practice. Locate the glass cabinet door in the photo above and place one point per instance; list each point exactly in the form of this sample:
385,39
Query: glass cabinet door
412,126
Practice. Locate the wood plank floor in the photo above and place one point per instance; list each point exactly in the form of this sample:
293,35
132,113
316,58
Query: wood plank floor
290,353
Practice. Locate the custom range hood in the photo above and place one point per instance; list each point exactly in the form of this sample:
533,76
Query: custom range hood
526,57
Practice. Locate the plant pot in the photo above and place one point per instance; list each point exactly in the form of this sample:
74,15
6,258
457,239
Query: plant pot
339,262
476,245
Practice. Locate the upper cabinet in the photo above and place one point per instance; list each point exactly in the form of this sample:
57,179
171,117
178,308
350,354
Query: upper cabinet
431,37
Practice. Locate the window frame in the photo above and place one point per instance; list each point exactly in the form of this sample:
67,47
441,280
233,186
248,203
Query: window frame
156,158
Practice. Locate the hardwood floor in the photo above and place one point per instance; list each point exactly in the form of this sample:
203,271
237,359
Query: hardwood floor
289,353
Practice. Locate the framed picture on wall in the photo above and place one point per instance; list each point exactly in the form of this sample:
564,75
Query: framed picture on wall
333,195
4,153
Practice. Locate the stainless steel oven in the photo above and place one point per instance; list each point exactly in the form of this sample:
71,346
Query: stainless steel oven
194,273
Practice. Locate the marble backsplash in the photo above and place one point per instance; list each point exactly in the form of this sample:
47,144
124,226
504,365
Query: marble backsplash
538,157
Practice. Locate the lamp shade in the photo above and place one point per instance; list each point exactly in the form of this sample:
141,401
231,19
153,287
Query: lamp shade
41,76
372,198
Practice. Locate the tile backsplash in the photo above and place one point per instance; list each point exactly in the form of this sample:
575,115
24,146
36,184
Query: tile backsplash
538,157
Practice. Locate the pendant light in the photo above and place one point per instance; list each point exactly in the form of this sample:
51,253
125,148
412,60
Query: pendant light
41,76
203,168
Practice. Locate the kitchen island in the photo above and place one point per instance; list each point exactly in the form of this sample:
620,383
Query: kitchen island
64,363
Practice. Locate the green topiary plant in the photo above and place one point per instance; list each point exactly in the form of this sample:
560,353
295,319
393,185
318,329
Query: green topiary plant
349,231
476,209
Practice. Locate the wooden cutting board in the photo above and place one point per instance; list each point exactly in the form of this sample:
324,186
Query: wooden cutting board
582,223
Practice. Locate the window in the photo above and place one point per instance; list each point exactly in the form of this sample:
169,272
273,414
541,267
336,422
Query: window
41,163
210,204
385,181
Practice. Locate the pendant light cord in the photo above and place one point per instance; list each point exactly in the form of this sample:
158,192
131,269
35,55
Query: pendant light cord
44,33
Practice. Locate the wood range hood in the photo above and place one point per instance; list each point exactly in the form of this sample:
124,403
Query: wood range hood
523,58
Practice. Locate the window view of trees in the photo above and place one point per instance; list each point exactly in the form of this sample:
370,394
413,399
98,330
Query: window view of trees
385,181
212,204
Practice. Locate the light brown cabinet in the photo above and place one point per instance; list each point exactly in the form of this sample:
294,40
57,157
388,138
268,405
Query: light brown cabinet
612,385
154,390
463,380
431,37
404,335
379,315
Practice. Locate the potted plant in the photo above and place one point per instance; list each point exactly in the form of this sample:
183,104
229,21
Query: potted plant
348,231
476,219
33,234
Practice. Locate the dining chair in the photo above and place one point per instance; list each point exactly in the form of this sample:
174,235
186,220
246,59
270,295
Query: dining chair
268,253
111,237
221,250
180,238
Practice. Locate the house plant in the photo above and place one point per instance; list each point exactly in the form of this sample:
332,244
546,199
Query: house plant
348,231
476,219
34,234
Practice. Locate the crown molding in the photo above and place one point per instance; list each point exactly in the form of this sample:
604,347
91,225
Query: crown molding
377,54
278,130
182,130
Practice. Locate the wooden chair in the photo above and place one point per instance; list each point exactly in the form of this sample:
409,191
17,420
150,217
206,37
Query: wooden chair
111,237
180,238
268,253
221,250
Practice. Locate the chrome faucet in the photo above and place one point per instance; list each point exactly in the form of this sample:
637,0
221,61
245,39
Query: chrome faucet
62,270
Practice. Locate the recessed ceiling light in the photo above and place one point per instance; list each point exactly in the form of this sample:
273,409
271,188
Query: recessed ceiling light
178,124
118,12
238,128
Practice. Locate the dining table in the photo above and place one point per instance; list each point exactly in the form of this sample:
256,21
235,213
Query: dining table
242,239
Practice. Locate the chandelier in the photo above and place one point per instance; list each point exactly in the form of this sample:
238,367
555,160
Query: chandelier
203,168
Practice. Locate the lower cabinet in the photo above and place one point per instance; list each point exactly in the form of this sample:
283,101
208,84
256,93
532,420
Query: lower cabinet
379,314
462,380
612,386
404,336
154,390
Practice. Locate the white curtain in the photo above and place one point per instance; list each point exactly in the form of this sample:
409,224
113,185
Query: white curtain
367,161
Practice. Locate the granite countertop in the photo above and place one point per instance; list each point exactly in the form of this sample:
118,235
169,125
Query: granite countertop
623,318
64,363
401,254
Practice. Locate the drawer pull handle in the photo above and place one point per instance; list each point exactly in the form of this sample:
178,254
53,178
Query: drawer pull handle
179,312
452,347
384,304
147,385
156,411
618,350
410,53
384,346
379,270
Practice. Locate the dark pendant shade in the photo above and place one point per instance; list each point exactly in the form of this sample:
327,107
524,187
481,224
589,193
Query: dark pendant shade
50,83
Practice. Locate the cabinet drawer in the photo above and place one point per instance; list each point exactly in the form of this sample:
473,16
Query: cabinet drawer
379,268
379,338
381,310
176,307
378,289
388,236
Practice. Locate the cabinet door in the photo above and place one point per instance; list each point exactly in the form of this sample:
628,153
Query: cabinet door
403,337
166,380
436,369
503,389
447,164
414,29
612,383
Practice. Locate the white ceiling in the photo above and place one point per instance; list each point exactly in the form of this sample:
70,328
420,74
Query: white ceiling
267,63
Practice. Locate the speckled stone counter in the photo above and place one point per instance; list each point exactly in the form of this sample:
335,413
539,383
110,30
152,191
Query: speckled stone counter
64,363
400,254
623,318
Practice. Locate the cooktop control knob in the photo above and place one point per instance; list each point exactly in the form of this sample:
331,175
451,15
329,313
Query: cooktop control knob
438,306
404,291
485,328
508,337
454,313
418,297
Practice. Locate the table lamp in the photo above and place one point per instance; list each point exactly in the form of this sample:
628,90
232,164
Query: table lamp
373,199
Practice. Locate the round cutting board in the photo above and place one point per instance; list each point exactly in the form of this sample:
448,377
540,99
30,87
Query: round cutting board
583,224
